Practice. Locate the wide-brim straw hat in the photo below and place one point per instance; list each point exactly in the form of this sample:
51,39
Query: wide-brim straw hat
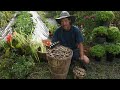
65,14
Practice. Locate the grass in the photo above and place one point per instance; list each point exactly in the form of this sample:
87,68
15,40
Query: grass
103,69
41,71
95,70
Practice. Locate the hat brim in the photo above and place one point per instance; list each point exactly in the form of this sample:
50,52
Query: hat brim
70,17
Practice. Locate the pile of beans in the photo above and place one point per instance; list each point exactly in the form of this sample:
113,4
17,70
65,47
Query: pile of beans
59,52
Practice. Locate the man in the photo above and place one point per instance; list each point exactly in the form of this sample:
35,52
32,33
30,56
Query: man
70,36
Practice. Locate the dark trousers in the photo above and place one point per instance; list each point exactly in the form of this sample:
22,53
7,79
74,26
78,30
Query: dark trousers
75,58
76,54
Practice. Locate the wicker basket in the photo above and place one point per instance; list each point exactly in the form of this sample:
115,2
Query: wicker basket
59,68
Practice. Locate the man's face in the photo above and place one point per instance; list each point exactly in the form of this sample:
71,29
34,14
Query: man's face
65,23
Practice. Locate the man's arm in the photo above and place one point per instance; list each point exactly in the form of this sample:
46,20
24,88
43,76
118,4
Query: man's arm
82,55
80,46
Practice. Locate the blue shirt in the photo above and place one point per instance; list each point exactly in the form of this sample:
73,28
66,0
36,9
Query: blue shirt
69,38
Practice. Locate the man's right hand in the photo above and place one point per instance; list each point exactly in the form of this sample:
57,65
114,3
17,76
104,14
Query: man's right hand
47,42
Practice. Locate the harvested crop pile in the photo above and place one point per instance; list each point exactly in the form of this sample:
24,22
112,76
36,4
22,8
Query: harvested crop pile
59,52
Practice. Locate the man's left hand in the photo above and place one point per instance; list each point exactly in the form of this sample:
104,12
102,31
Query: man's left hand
85,59
82,58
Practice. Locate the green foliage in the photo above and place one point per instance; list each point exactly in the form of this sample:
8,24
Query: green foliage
113,48
5,17
34,49
52,14
26,45
49,14
114,33
16,66
20,40
83,16
5,65
104,16
97,50
100,31
4,74
3,44
21,45
51,27
117,19
22,67
4,48
85,19
23,23
42,15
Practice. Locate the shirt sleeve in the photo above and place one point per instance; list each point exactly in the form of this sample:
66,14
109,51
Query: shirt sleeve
79,36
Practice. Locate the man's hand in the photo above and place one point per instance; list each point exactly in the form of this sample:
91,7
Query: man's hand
46,42
85,59
80,46
81,57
